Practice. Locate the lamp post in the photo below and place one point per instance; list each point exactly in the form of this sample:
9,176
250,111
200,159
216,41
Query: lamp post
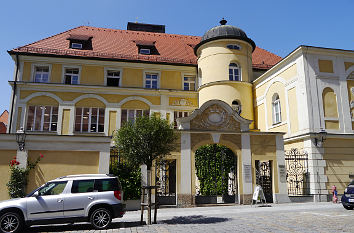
20,139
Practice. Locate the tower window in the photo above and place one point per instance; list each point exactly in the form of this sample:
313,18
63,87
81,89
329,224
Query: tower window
233,46
234,72
236,105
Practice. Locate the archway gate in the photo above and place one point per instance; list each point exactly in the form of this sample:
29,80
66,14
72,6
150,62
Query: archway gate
215,122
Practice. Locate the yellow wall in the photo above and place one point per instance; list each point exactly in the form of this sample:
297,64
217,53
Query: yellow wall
295,144
348,65
26,73
43,100
90,102
278,88
112,122
289,73
135,104
229,91
214,60
339,156
260,117
5,157
263,147
61,163
132,77
65,122
93,75
329,103
294,121
56,75
332,125
171,80
325,66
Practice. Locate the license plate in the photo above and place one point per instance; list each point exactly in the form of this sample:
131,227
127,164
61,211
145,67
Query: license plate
351,200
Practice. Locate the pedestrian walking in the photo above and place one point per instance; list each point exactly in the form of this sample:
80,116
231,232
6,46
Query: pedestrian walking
334,193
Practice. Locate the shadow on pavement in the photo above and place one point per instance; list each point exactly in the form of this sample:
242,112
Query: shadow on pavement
79,227
195,219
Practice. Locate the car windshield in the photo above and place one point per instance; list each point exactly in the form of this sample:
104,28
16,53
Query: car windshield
351,183
31,193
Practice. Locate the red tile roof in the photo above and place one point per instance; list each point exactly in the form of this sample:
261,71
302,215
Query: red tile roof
122,45
4,117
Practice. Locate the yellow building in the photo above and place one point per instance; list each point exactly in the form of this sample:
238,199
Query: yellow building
73,89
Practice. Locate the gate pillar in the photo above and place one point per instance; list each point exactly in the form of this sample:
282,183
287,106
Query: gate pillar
184,195
282,196
246,170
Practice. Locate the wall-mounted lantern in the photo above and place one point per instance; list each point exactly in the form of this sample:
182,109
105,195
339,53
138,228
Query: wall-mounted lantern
320,138
21,139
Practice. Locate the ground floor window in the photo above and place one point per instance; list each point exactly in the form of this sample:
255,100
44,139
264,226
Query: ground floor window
89,120
42,118
132,114
178,114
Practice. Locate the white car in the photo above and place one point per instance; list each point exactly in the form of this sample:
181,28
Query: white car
95,198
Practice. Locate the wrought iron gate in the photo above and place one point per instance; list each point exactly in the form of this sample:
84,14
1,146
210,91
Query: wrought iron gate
264,178
165,178
222,181
297,172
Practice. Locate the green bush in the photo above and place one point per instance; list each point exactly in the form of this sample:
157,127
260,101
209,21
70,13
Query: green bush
130,178
213,164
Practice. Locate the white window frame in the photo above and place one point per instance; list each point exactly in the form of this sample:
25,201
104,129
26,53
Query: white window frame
189,75
33,71
71,67
42,107
152,72
106,69
89,120
135,110
184,112
276,109
233,71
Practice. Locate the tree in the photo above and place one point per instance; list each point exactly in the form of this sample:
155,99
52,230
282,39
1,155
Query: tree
145,140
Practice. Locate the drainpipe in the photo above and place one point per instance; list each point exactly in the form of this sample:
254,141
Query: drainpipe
14,92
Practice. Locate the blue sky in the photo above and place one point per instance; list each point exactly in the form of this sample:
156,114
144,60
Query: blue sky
276,25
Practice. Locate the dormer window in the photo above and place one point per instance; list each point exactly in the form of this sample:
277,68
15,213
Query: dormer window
76,45
233,46
146,47
83,42
145,51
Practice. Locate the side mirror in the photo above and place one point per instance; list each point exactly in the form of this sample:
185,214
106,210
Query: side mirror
35,194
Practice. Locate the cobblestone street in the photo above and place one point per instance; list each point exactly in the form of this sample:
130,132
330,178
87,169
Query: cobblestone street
303,217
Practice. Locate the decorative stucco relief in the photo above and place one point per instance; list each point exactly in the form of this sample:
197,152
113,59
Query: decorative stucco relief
215,118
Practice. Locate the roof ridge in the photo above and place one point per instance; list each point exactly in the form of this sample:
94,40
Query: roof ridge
50,36
114,29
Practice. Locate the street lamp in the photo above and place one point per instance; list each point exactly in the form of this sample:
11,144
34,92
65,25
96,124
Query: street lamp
20,139
320,138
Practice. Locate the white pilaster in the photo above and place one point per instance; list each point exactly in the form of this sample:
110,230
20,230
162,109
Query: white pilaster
246,163
316,168
186,166
22,157
103,163
282,196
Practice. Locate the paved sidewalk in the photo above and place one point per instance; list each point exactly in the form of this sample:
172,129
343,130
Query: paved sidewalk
303,217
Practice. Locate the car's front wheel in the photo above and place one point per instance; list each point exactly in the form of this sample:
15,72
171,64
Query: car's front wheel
11,222
348,207
101,218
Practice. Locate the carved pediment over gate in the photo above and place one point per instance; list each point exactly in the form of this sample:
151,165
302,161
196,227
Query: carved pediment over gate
214,115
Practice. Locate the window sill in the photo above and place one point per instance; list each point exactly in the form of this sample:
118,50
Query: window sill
41,132
89,134
277,125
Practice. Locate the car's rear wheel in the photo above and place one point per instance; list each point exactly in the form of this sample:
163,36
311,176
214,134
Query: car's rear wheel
348,207
101,218
11,222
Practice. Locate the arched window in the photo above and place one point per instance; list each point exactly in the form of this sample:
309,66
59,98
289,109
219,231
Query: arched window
276,109
234,72
236,105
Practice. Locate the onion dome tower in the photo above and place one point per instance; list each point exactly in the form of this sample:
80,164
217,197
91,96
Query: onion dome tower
225,68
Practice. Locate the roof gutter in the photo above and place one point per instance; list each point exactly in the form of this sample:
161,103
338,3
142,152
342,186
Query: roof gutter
14,92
